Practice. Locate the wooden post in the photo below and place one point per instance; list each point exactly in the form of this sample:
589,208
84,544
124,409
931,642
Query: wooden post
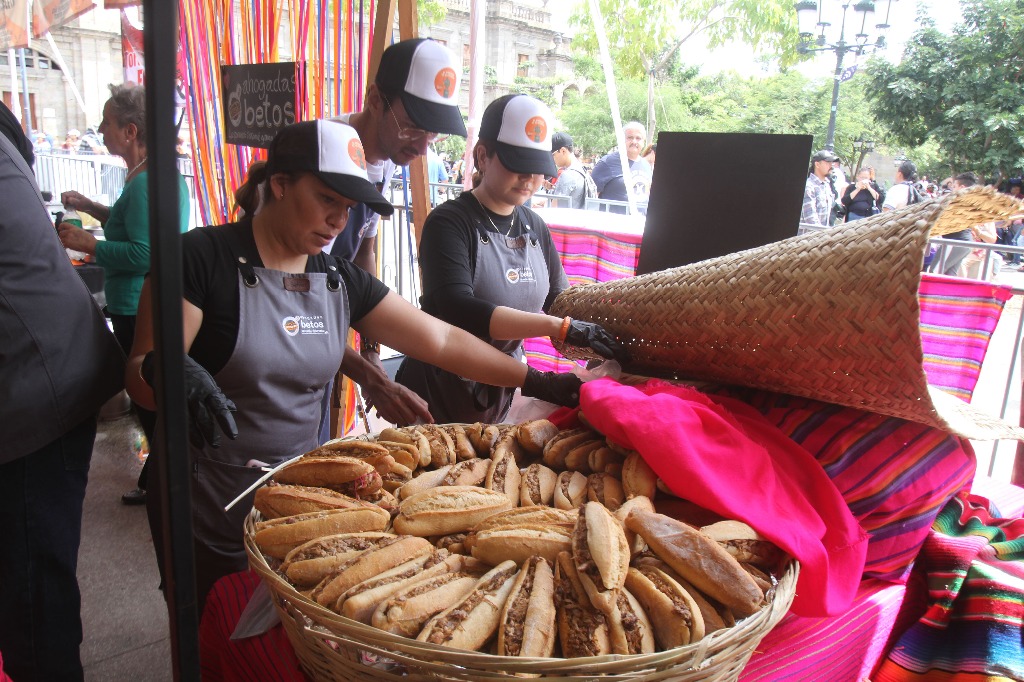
419,184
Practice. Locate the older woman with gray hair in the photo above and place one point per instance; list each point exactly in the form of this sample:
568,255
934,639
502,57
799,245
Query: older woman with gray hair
124,252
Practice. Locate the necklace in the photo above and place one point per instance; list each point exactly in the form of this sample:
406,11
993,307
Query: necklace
137,166
491,220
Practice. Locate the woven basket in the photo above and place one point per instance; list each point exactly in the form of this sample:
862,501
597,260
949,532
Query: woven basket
832,315
332,647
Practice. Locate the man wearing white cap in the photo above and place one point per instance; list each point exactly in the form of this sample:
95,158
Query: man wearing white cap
411,103
490,266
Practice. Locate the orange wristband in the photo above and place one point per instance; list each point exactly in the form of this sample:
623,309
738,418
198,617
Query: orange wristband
565,329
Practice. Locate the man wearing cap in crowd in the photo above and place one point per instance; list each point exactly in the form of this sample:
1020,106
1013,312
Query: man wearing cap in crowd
818,197
411,103
490,266
572,176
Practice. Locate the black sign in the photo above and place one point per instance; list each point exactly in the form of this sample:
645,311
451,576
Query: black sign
259,100
718,193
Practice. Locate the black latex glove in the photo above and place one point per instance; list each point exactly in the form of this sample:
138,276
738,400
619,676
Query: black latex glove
208,407
560,389
594,336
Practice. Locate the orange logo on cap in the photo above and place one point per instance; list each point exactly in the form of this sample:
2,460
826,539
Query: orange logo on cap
537,128
355,152
444,82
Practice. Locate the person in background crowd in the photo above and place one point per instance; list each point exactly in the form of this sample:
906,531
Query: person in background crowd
955,255
42,143
124,252
489,265
862,198
266,288
572,177
818,197
649,154
902,193
1012,231
60,365
412,103
607,173
436,174
71,142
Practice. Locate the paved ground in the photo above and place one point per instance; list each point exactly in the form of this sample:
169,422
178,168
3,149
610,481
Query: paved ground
124,616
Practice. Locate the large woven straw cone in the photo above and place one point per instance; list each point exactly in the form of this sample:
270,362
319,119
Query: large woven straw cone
832,315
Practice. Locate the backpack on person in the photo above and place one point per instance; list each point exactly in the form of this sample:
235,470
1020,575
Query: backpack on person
914,195
589,186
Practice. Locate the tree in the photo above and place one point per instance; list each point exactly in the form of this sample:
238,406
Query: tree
646,35
963,90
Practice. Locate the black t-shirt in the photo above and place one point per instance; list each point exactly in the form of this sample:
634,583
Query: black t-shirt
211,284
448,249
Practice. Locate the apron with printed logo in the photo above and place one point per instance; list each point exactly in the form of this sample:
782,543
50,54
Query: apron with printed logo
511,273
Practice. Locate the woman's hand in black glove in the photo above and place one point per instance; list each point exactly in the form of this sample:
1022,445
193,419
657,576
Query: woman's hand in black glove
595,336
560,389
208,407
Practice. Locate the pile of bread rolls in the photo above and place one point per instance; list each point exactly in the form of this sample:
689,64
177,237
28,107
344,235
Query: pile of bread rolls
519,540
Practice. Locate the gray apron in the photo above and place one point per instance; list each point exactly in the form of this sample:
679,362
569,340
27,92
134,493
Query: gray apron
291,337
511,273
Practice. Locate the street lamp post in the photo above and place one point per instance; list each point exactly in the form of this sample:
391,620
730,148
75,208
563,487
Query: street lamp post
862,147
816,17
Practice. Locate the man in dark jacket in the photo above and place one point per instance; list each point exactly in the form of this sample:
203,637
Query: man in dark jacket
607,173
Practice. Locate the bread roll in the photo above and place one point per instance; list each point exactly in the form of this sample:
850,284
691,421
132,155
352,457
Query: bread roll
534,435
410,436
676,618
372,562
629,629
526,626
503,474
578,458
530,516
538,486
582,629
605,460
714,615
744,543
442,449
606,489
570,490
471,622
601,554
351,448
447,510
638,478
460,441
471,471
558,447
405,611
312,561
699,560
279,536
275,500
360,601
424,481
405,454
519,543
636,543
482,437
349,475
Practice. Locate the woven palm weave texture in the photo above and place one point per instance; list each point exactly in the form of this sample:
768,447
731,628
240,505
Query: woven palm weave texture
831,315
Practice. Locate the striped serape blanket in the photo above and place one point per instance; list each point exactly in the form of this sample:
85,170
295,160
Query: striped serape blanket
972,630
958,317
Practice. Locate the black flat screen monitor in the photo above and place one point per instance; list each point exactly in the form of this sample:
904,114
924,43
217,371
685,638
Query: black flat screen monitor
718,193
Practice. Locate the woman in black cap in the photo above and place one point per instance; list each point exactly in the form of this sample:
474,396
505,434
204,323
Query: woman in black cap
490,267
266,314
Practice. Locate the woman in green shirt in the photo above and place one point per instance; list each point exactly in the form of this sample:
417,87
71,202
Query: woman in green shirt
124,252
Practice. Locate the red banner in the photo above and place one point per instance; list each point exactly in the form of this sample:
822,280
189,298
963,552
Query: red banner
132,55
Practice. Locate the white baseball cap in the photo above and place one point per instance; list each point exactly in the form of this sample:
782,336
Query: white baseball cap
331,151
425,74
521,127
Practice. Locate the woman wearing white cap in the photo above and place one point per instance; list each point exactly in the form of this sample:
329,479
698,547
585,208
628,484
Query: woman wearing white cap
266,314
490,267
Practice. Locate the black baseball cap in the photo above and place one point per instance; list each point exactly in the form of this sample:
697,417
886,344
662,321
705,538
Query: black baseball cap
425,74
824,155
332,152
521,128
559,140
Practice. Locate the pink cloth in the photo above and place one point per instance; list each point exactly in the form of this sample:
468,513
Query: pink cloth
723,455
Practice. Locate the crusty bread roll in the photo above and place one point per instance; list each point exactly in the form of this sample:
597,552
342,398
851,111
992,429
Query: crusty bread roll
582,629
605,460
442,449
471,622
410,436
349,475
350,448
629,629
519,543
279,536
538,486
454,543
601,554
472,471
372,562
460,441
714,615
406,454
312,561
360,601
447,510
676,618
503,473
275,500
578,458
526,626
424,481
482,437
699,560
530,516
744,543
382,498
636,543
570,490
534,435
606,489
559,446
638,478
405,611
